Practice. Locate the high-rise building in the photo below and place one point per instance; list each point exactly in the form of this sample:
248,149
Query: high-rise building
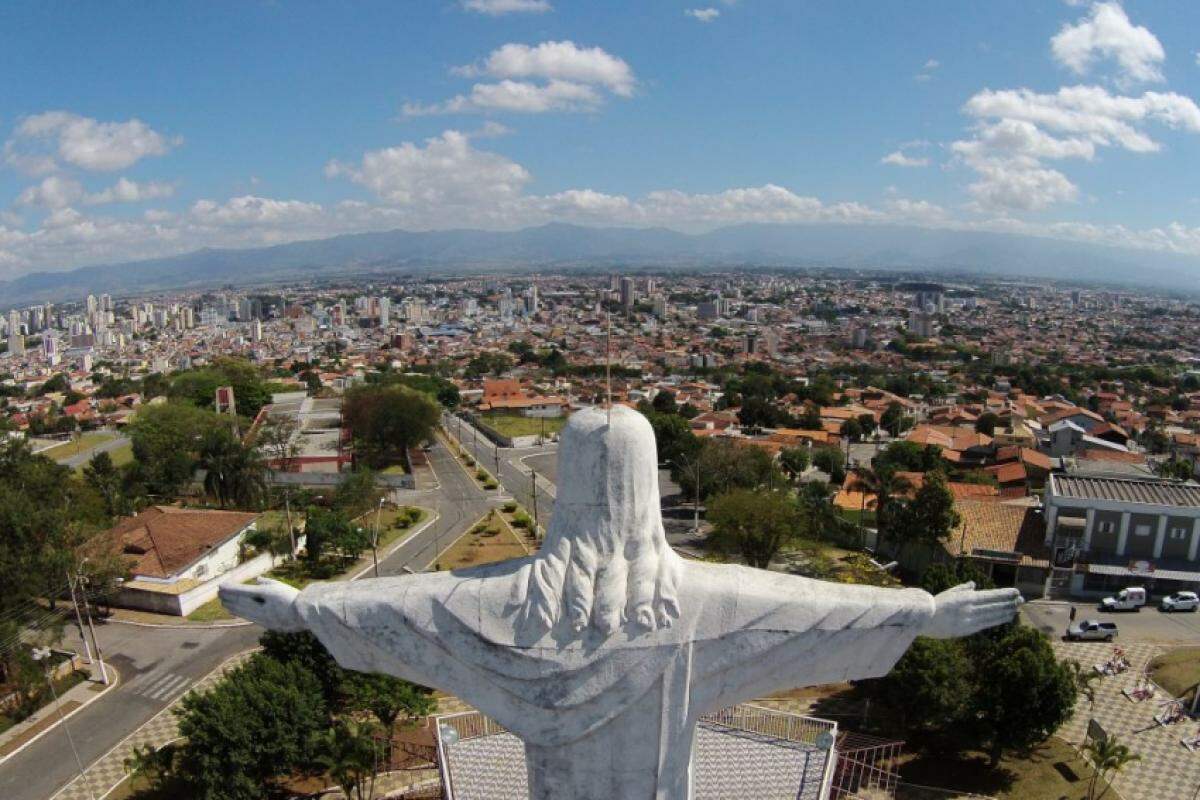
92,305
385,311
628,292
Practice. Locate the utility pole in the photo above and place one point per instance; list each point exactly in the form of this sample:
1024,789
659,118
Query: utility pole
42,654
496,457
87,648
375,538
287,507
87,612
533,477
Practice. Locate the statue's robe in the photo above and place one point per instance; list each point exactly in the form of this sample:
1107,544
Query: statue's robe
614,717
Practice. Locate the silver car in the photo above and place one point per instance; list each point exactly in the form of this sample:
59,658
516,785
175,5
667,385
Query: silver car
1092,630
1180,601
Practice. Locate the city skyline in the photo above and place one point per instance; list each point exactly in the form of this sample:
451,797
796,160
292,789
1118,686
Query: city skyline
259,125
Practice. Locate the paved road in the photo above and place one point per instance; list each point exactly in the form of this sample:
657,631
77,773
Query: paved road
79,459
1147,625
158,664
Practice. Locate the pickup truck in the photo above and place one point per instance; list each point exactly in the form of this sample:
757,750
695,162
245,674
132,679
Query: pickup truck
1092,630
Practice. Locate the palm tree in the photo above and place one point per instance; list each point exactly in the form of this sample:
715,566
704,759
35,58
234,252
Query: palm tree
350,753
234,472
1108,758
884,484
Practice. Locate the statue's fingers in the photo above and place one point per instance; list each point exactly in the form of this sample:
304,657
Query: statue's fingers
580,585
969,586
643,572
608,611
666,603
996,595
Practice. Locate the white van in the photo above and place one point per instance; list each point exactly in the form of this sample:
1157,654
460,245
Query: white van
1131,598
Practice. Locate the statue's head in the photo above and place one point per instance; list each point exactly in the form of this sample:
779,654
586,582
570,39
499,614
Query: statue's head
605,561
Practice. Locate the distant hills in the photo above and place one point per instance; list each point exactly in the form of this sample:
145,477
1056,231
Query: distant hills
563,246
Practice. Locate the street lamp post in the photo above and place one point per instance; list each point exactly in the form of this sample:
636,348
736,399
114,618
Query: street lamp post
87,613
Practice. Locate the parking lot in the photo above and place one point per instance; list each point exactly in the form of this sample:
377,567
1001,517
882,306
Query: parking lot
1147,625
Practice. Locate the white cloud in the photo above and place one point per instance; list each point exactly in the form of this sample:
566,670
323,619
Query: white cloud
897,158
42,140
1107,33
562,61
1016,130
53,192
703,14
513,96
446,172
927,70
249,210
127,191
498,7
551,76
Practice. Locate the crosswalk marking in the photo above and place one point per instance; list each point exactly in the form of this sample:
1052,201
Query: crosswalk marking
161,685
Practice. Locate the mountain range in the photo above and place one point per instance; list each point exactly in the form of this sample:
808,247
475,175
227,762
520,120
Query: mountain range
562,246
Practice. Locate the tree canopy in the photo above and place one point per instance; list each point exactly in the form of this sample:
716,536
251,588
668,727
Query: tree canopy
385,420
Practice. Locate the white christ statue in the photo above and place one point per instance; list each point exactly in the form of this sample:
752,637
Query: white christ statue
603,650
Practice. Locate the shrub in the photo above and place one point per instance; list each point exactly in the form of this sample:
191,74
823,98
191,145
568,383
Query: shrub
481,475
470,462
490,484
522,520
509,507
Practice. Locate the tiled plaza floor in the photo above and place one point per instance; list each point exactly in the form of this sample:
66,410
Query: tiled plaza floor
1167,770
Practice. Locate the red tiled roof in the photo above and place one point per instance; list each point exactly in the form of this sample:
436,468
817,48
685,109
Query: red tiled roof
167,539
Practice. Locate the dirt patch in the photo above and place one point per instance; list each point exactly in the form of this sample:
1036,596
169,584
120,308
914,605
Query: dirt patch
487,542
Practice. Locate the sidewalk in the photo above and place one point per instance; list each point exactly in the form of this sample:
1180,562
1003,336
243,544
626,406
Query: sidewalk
107,772
47,718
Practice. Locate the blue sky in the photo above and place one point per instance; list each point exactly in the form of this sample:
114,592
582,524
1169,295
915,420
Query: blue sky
135,129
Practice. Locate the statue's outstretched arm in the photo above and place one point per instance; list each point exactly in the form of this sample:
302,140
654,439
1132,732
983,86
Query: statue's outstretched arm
270,603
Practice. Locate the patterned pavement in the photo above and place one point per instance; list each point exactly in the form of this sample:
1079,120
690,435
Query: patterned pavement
1167,770
109,770
728,763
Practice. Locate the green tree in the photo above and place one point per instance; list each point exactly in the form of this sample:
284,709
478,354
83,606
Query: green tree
929,516
794,460
386,420
102,475
937,578
356,493
234,472
909,457
852,430
725,464
1025,693
664,402
754,524
673,436
893,420
262,721
387,698
867,423
986,423
932,686
166,440
831,461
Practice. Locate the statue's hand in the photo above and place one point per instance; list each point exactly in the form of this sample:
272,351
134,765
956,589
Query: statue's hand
270,603
962,611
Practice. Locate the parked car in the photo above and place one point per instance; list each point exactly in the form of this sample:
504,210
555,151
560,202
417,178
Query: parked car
1128,599
1092,630
1180,601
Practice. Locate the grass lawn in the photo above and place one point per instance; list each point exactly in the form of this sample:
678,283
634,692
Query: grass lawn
487,542
1177,671
1053,771
511,425
84,443
212,611
394,469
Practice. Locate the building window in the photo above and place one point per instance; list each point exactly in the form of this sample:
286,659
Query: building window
1105,526
1141,530
1179,533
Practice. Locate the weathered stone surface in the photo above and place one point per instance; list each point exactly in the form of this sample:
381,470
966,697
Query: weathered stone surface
602,651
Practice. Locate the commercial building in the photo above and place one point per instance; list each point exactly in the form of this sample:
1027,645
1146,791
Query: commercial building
1108,532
